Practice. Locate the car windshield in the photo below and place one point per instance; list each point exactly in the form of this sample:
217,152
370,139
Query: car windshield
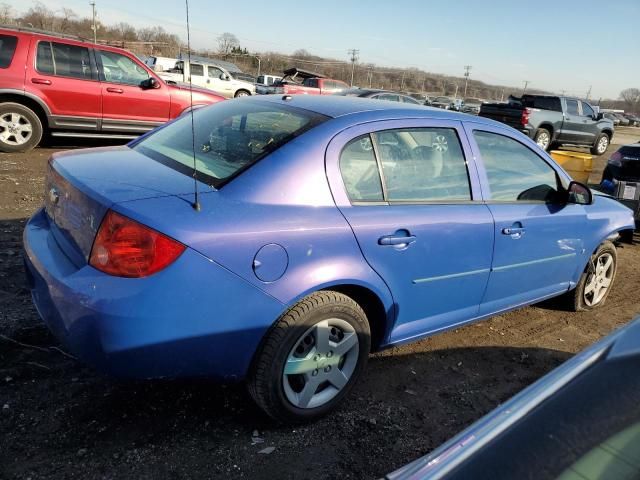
229,137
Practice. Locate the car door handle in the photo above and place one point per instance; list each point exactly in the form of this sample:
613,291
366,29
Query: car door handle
41,81
514,232
397,239
114,90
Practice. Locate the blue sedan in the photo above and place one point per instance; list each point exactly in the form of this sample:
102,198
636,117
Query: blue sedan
280,240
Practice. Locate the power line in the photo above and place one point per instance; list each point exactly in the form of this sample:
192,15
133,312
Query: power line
355,53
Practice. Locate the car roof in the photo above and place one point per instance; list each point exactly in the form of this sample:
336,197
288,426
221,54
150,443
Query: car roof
338,106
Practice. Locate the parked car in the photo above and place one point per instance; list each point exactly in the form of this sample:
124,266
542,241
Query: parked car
379,95
612,117
263,83
552,121
472,106
621,176
209,75
298,81
624,121
447,103
68,87
634,119
581,421
321,226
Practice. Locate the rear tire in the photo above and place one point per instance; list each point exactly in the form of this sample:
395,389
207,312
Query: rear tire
601,145
242,93
20,128
311,358
543,138
596,281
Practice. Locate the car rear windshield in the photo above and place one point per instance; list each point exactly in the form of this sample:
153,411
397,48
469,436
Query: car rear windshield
7,49
630,151
229,137
543,103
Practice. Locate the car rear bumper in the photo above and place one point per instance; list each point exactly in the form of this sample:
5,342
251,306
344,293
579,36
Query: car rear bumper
194,318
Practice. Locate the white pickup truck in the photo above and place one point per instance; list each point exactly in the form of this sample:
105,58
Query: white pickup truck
209,75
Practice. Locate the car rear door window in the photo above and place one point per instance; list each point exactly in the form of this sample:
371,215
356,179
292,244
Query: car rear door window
8,45
360,172
64,60
196,70
118,68
515,173
391,98
422,165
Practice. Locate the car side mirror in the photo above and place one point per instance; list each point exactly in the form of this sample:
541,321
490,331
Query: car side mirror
224,76
150,82
579,194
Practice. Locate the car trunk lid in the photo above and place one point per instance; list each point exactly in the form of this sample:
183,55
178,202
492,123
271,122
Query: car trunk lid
82,185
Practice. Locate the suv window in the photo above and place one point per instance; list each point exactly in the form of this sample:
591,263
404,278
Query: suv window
423,165
515,172
312,82
118,68
572,107
196,69
360,170
7,49
587,111
64,60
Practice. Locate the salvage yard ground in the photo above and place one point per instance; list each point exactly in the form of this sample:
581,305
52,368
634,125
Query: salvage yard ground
60,419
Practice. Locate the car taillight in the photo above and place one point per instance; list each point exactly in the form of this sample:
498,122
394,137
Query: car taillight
525,116
126,248
616,159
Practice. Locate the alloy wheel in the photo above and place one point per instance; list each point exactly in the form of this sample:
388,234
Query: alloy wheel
440,143
599,280
543,140
15,129
603,143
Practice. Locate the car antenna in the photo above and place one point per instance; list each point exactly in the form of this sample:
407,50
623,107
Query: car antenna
196,202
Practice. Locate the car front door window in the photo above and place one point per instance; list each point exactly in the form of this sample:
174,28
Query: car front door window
118,68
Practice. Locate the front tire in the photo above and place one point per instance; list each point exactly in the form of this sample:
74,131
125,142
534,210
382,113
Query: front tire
20,128
601,145
596,280
311,358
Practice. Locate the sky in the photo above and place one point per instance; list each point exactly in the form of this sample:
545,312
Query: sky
566,45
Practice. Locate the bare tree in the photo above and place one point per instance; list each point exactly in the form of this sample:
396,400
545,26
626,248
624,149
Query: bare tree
67,19
6,14
227,42
301,53
631,98
39,16
125,31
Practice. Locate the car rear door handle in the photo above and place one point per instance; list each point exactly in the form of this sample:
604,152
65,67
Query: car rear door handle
401,238
514,232
41,81
114,90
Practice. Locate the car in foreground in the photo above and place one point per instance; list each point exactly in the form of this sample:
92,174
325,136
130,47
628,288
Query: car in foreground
321,226
378,94
581,421
552,121
67,87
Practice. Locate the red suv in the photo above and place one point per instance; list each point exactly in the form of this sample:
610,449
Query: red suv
68,87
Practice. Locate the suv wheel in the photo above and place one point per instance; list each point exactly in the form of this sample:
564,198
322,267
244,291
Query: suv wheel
20,128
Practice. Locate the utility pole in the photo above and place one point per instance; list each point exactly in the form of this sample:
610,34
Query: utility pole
93,24
502,95
466,78
589,92
354,58
402,81
526,84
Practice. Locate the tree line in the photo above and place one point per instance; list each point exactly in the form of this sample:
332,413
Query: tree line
157,41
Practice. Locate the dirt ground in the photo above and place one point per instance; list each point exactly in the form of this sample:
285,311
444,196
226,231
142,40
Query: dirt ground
60,419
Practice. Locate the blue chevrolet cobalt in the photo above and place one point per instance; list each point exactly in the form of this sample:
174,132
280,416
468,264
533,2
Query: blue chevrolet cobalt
279,240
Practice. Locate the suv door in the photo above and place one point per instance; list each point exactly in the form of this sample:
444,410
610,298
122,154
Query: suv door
572,124
589,127
126,105
65,77
409,190
539,238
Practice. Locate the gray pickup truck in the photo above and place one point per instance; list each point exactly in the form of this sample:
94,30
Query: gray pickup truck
553,121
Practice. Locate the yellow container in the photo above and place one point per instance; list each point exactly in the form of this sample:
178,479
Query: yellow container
578,165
